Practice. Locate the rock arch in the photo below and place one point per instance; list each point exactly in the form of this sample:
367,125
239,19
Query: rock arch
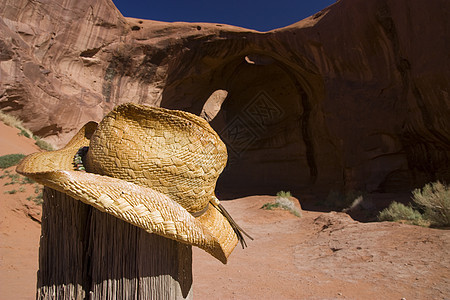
265,121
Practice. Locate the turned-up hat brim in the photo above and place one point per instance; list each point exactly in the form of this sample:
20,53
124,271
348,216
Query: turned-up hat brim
139,205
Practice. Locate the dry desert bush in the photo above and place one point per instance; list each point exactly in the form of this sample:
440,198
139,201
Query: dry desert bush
14,122
434,199
283,200
432,203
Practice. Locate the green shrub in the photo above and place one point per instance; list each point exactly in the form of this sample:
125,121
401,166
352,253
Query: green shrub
10,192
283,201
39,198
27,180
435,200
400,212
24,133
14,178
15,122
37,188
10,120
43,145
10,160
6,173
270,206
283,194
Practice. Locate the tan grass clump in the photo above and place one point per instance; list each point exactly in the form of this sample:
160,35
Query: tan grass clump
283,200
15,122
434,198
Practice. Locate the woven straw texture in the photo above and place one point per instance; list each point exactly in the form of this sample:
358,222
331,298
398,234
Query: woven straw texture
149,166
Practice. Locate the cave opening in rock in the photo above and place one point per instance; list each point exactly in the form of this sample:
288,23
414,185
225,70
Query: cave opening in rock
262,121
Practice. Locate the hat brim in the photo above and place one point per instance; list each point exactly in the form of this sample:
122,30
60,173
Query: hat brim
141,206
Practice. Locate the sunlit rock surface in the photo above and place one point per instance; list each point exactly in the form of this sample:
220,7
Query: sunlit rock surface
354,97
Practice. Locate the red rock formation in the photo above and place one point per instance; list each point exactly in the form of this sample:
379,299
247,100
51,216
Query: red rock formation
354,97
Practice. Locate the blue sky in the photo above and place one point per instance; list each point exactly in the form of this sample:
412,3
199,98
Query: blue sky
261,15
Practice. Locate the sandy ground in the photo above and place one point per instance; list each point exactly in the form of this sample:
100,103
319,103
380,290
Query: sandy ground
19,233
12,143
19,242
318,256
326,256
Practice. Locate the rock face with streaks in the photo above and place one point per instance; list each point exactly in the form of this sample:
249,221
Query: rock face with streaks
353,97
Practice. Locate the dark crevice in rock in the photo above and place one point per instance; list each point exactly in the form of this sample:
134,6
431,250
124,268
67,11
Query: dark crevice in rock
105,24
318,15
305,125
157,57
49,130
5,52
307,136
90,52
147,69
13,99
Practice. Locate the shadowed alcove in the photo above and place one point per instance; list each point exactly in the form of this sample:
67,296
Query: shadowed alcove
260,121
263,116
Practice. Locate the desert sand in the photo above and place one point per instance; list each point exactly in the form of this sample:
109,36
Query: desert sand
322,255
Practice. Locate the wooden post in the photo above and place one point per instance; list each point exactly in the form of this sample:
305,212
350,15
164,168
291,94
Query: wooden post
87,254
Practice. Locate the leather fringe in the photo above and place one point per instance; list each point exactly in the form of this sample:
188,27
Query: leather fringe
237,229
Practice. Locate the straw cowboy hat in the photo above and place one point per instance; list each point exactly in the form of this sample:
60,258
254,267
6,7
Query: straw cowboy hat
152,167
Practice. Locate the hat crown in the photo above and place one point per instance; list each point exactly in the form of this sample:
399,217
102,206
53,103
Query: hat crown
173,152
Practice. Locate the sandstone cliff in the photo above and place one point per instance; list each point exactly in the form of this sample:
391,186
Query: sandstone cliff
354,97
